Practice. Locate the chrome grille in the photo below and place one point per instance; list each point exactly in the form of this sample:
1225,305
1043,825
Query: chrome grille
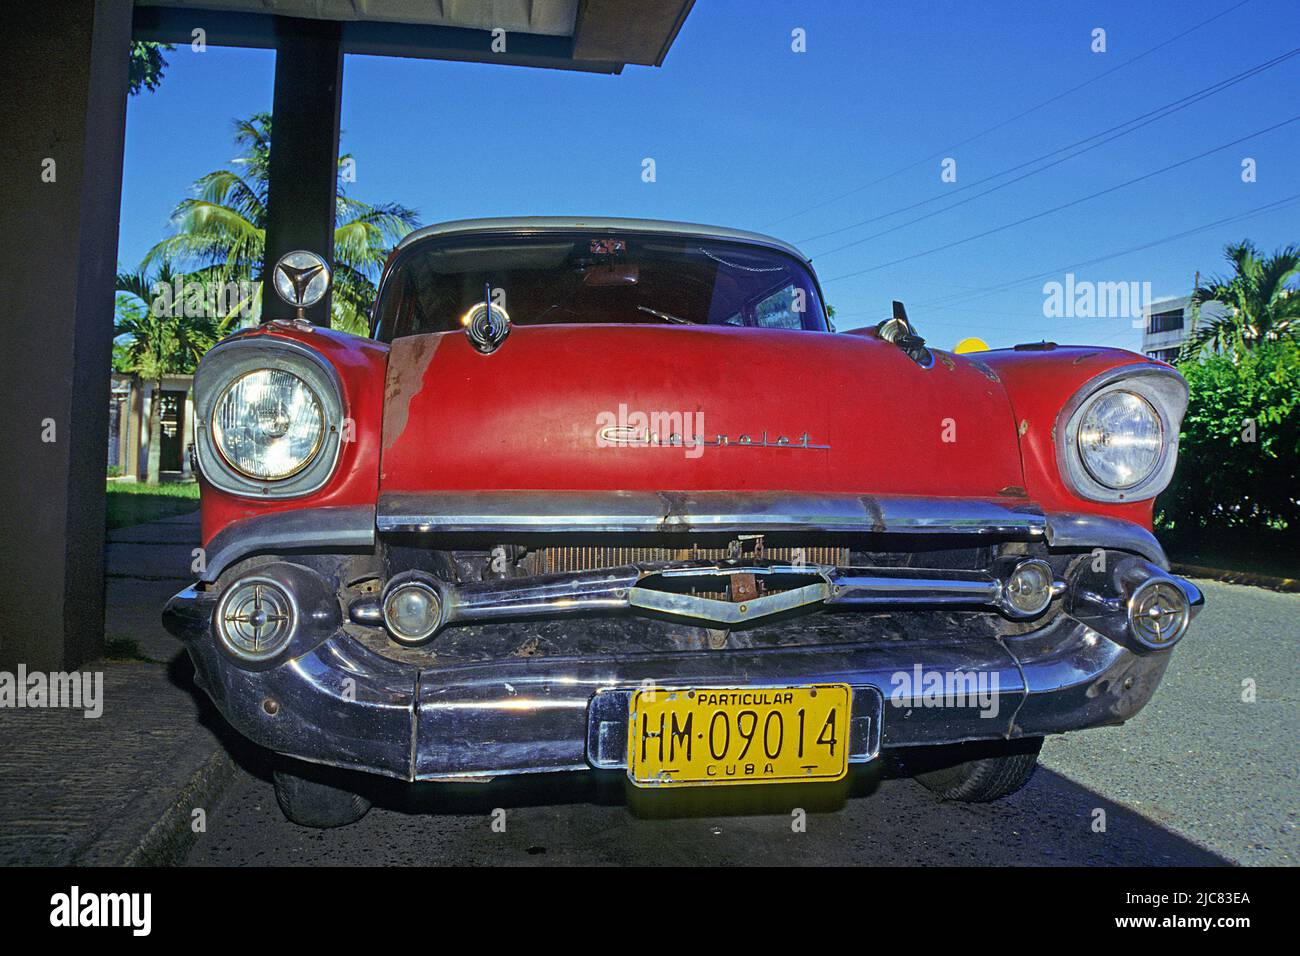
582,558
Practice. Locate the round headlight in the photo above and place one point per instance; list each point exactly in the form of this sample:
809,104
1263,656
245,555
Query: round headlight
1120,437
268,424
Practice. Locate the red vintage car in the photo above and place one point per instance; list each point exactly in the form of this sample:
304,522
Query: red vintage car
613,495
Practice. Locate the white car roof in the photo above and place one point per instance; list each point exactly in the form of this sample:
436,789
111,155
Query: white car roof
597,224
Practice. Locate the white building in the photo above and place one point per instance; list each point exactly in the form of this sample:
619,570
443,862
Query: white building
129,408
1168,324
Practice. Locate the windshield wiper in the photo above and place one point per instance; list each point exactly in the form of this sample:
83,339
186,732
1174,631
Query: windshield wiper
663,315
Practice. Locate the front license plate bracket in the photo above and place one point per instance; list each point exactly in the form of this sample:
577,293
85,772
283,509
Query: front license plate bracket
607,725
610,710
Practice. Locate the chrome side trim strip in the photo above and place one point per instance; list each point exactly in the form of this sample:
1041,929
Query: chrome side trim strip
1096,531
506,512
888,586
642,589
283,532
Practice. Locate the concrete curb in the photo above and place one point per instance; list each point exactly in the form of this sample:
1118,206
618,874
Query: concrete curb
1237,577
157,828
169,840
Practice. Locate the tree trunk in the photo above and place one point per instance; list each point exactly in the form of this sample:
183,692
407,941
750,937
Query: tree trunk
155,434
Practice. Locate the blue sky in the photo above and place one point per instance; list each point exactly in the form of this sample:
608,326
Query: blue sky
747,133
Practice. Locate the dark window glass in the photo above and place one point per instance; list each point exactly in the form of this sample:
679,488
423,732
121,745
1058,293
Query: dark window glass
1166,321
576,278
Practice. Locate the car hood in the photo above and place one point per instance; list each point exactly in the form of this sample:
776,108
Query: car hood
692,408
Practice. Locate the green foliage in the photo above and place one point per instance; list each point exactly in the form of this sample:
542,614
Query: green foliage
152,342
1261,300
1240,443
221,230
147,65
121,353
131,503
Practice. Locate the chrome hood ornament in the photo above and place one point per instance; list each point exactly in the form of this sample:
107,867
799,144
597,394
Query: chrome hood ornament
486,325
301,279
900,332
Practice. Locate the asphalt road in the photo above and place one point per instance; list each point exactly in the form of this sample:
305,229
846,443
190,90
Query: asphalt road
1201,776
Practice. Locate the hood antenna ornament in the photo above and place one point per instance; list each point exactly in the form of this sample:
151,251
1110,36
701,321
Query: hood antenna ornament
486,325
899,331
301,279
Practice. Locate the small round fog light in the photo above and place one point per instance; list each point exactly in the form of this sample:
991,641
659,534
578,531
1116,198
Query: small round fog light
1158,613
255,619
412,611
1028,589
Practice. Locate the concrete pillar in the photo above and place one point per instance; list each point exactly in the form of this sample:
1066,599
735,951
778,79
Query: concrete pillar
63,67
302,176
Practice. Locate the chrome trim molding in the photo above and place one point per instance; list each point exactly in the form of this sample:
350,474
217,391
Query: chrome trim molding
284,532
644,589
1083,531
510,512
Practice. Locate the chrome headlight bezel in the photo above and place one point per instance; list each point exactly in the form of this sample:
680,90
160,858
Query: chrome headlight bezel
230,361
1160,387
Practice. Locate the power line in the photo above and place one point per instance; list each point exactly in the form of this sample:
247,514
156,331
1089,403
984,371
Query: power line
1132,125
941,301
1268,207
1071,203
979,293
1007,122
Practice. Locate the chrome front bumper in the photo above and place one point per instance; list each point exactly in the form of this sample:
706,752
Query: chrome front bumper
340,703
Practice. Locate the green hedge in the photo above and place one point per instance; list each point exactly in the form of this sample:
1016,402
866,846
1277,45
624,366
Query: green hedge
1230,480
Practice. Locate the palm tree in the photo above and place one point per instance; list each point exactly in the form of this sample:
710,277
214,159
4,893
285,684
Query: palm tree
159,341
222,228
1261,306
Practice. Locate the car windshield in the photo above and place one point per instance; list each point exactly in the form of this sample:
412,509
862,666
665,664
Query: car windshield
572,278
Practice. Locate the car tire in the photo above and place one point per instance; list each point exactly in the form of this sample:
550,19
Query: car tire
980,772
310,798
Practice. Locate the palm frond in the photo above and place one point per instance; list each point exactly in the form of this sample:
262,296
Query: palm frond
219,235
222,187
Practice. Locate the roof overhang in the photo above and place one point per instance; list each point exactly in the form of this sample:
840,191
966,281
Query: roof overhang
595,36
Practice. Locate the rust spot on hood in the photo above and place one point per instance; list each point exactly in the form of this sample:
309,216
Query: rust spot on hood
408,360
985,370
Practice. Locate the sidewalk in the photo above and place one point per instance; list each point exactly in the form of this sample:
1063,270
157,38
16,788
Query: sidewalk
121,788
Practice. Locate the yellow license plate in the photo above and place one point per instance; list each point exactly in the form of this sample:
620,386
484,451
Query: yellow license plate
700,736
